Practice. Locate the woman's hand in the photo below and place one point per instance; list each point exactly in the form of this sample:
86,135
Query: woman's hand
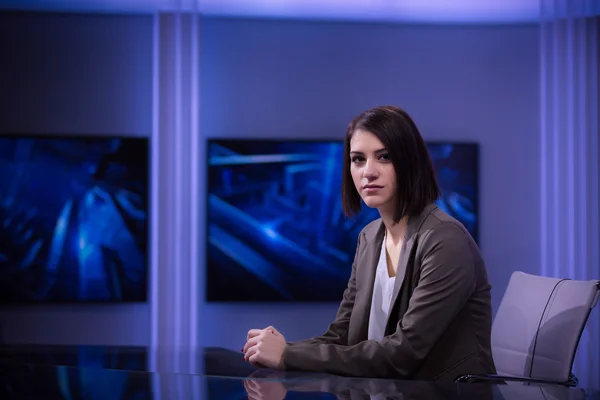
264,390
264,348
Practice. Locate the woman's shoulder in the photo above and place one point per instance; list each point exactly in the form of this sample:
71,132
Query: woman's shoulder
371,230
440,229
372,227
439,225
432,227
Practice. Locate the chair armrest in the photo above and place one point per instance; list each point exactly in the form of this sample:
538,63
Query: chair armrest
571,382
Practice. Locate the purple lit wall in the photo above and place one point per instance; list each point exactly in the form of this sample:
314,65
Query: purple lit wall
181,79
431,11
308,79
271,78
569,201
86,74
472,83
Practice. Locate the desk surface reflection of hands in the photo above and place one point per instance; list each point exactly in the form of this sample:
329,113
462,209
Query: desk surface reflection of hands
90,372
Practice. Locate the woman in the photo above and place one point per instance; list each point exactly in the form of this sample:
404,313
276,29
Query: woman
418,303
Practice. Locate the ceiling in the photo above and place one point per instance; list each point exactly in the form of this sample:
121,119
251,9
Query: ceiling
430,11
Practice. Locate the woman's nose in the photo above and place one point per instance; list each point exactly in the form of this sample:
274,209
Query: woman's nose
370,169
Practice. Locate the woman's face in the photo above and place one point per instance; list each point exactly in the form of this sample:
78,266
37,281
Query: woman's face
373,173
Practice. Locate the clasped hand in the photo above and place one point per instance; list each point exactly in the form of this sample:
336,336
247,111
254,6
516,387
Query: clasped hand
264,348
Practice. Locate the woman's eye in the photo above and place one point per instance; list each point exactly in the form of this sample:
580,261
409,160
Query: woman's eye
356,159
384,157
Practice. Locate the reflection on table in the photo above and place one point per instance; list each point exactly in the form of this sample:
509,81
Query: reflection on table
75,372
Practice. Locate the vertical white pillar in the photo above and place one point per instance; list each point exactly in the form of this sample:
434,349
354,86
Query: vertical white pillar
175,187
569,149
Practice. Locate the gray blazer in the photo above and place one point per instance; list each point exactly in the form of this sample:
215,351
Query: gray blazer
440,319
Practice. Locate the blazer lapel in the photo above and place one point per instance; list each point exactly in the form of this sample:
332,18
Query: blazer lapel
405,275
366,279
404,279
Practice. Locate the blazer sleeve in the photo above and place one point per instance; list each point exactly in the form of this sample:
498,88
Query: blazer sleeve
337,332
447,279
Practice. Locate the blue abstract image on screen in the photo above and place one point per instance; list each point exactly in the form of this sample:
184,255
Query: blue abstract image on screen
275,226
73,219
457,171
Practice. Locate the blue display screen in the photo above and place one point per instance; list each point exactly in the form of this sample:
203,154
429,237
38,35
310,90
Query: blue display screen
275,226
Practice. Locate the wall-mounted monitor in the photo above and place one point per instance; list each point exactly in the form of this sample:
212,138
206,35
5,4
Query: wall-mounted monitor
73,218
275,226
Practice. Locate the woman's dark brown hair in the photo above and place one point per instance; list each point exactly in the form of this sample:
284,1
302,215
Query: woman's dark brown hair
416,183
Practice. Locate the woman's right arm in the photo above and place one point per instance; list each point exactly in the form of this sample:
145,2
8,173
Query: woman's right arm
337,332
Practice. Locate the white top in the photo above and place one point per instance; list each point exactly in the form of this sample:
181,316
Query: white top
383,290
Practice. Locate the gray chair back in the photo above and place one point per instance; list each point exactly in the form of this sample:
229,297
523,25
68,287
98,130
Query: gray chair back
538,325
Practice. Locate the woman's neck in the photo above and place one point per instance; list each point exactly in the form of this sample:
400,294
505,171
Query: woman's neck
394,230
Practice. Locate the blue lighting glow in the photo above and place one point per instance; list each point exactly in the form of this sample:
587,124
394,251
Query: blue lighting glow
68,232
456,11
270,232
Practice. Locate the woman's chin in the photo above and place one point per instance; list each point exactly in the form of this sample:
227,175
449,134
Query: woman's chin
373,202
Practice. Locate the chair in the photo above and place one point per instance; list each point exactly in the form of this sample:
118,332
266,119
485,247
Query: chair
537,329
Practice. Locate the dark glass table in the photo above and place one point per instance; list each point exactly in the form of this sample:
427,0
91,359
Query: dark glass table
89,372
